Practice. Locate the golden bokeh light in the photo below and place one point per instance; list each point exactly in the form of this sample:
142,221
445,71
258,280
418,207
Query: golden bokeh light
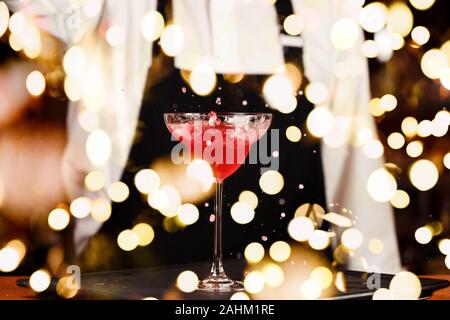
444,77
447,261
420,35
446,160
382,294
414,148
147,181
115,35
370,49
424,128
74,61
94,181
319,121
444,246
400,19
40,280
187,281
293,134
118,191
375,246
319,240
254,252
4,18
188,214
423,174
405,285
17,22
240,296
200,171
373,149
423,235
98,147
127,240
372,17
58,219
316,93
278,92
152,25
271,182
322,275
101,210
9,259
311,289
337,219
375,108
66,288
273,275
249,197
202,79
293,25
352,238
145,233
344,34
254,282
158,199
432,62
422,4
409,126
300,228
87,119
35,83
396,140
18,246
242,212
381,185
388,102
80,207
400,200
172,40
280,251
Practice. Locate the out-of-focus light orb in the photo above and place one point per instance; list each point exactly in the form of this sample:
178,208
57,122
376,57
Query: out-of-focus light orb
4,18
352,238
375,246
400,200
147,181
396,140
80,207
319,121
233,77
444,77
65,287
370,49
18,246
414,148
397,41
423,235
35,83
444,246
145,233
316,92
98,147
254,252
319,240
446,160
423,174
300,228
323,275
273,275
17,22
88,119
399,19
58,219
372,17
118,191
280,251
72,88
375,108
311,289
438,128
424,128
100,210
278,92
74,61
115,35
271,182
420,35
409,126
373,149
388,102
152,25
422,4
294,75
15,42
254,282
202,79
293,133
94,180
40,280
187,281
344,34
447,261
31,39
188,214
249,197
201,171
127,240
158,199
442,117
173,201
172,40
432,62
9,259
240,296
382,294
293,25
242,212
381,185
405,285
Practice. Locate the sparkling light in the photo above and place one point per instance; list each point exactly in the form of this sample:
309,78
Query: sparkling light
375,246
94,180
254,282
399,19
423,235
372,17
202,79
280,251
80,207
249,197
322,275
400,200
128,240
316,92
381,185
293,134
293,25
254,252
172,40
271,182
344,34
118,191
405,286
420,35
152,25
58,219
388,102
300,228
414,149
373,149
432,62
319,240
352,238
444,246
35,83
101,210
311,289
273,275
319,121
242,212
147,181
115,35
409,126
422,4
188,214
87,119
145,233
40,280
396,140
187,281
423,174
98,147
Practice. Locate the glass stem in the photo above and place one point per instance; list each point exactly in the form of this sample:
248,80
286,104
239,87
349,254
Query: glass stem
217,266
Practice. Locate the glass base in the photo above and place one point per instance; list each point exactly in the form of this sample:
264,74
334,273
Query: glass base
220,284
